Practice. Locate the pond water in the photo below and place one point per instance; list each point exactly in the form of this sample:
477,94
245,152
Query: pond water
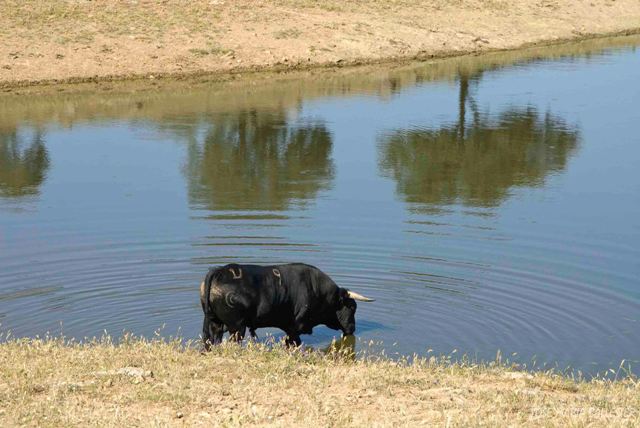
486,203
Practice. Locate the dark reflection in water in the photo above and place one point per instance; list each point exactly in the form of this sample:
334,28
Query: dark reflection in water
257,160
23,163
344,347
476,163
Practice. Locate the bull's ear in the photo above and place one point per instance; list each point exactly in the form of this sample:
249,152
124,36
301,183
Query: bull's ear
343,294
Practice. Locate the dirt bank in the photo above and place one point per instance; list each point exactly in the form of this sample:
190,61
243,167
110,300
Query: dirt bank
140,383
78,40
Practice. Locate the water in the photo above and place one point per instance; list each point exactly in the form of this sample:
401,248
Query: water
488,203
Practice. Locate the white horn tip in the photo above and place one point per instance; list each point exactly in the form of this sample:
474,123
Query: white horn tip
360,297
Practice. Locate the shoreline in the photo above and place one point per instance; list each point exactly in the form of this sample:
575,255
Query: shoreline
362,76
74,42
58,382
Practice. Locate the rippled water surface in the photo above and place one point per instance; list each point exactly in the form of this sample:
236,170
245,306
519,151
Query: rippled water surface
487,203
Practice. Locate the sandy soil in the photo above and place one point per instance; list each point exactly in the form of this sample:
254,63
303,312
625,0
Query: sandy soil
80,40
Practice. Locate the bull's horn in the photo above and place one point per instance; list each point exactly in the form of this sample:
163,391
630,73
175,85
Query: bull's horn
356,296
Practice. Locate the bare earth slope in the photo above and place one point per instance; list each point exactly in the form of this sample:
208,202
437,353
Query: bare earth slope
77,40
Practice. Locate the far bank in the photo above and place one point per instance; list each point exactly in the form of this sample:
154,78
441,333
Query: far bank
96,41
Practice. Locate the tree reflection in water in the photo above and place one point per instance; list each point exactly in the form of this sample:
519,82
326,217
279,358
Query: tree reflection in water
476,163
23,164
257,160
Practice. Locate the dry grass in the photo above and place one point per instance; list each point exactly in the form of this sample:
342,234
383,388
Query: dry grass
53,383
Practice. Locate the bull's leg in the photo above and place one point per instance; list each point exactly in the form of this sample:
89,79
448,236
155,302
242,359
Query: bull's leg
302,327
293,339
211,333
236,333
206,334
293,335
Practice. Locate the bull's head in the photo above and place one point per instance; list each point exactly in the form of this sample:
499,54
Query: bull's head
346,310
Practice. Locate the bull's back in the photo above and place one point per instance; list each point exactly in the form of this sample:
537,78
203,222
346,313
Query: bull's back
263,296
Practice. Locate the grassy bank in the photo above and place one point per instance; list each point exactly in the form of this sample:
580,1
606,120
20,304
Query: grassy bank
51,383
79,40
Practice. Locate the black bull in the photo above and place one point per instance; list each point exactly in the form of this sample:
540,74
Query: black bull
292,297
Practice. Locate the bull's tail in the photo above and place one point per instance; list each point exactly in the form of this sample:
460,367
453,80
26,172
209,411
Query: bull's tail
208,281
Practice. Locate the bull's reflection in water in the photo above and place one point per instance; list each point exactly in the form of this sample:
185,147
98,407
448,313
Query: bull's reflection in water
344,347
